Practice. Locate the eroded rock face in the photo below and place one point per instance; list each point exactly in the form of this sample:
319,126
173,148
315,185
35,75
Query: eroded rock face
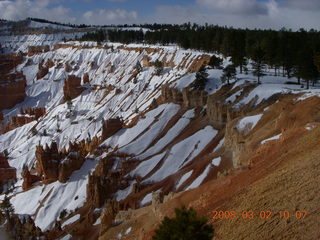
53,165
9,62
194,98
28,179
12,89
235,142
72,87
110,127
48,160
43,71
7,173
34,50
68,165
25,117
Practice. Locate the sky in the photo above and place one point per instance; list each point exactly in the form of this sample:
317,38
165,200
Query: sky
275,14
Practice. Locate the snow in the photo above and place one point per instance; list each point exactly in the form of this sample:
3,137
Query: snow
98,222
147,199
160,149
71,220
54,197
171,134
248,123
183,153
122,194
34,24
216,161
196,183
310,127
185,81
147,166
67,237
128,230
184,178
220,144
276,137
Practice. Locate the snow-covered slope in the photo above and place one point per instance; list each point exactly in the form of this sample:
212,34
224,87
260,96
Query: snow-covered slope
164,140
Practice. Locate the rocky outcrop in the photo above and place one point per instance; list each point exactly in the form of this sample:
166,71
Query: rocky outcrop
48,160
188,98
110,127
53,165
67,67
25,117
198,62
171,94
12,89
72,87
7,173
28,179
43,70
235,143
194,98
108,215
73,161
9,62
35,50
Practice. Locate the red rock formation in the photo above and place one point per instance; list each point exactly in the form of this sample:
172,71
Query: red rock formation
48,160
12,89
9,62
67,67
43,71
36,112
27,116
34,50
110,127
49,63
28,179
72,162
72,87
6,172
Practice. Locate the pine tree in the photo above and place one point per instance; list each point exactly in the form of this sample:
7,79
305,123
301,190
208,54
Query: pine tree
186,225
7,207
201,79
159,67
317,61
258,65
215,62
229,72
138,67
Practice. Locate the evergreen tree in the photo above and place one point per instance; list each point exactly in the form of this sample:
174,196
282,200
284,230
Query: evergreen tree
317,61
159,67
258,65
215,62
185,226
229,72
308,70
201,79
138,67
7,207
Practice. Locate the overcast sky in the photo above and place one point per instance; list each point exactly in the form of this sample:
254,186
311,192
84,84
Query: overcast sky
274,14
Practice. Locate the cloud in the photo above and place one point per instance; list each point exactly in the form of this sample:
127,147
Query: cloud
104,17
312,5
21,9
275,16
236,6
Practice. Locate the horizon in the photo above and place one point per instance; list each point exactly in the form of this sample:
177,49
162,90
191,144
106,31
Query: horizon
251,14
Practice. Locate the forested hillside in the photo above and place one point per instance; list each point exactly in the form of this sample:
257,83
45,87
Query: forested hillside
289,53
